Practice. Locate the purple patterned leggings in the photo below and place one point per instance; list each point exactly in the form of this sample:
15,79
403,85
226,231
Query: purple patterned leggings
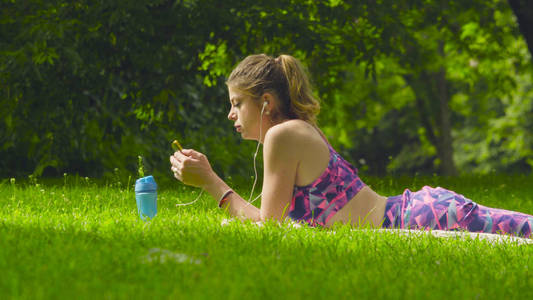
441,209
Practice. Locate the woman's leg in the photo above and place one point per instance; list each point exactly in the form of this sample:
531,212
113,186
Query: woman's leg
438,208
502,221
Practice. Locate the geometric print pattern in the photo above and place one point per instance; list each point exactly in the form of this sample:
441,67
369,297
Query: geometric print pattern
317,202
438,208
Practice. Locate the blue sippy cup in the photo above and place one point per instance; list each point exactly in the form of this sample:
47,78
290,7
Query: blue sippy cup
146,197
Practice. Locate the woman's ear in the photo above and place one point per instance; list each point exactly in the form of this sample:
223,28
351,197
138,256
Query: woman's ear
269,99
272,103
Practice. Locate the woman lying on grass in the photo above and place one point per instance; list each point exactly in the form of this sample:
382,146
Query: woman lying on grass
306,179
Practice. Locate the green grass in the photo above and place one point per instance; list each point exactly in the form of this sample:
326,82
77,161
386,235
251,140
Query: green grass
79,239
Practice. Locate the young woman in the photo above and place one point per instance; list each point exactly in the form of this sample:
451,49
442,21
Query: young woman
306,180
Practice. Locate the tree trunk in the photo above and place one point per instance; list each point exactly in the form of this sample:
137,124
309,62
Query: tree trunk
445,141
436,118
523,10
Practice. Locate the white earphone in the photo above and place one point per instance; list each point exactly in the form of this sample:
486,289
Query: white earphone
265,103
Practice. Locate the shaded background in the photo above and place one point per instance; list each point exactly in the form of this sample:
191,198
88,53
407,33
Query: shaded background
407,86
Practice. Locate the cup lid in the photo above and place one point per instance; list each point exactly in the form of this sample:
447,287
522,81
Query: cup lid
146,184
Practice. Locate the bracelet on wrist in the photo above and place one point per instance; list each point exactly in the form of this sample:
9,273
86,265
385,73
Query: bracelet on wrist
224,197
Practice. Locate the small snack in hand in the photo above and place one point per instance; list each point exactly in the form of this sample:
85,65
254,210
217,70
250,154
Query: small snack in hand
176,145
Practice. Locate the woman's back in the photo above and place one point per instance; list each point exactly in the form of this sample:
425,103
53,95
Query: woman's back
311,148
325,183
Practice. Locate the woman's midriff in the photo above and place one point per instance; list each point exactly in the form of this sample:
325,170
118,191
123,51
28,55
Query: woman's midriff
366,207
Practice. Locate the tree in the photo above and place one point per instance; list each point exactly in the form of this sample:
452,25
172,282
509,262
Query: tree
446,55
86,86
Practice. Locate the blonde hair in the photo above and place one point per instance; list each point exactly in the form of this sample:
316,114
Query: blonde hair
285,77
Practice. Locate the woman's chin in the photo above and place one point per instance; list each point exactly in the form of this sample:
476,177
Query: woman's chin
247,137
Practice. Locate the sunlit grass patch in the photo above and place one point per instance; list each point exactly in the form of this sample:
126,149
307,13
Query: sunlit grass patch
85,240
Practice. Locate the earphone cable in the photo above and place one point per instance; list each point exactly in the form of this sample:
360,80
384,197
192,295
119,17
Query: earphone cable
192,202
255,156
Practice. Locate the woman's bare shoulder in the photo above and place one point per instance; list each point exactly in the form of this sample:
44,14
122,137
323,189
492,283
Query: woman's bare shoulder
293,132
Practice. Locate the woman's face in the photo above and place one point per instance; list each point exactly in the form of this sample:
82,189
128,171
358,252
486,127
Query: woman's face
246,115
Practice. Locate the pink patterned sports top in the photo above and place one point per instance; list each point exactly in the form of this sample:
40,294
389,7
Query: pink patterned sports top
317,202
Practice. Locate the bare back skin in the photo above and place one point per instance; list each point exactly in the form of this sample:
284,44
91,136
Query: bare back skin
366,207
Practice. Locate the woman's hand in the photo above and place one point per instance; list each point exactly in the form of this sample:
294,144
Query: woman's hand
191,168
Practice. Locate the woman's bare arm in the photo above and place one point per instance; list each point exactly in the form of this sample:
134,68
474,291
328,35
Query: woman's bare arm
193,168
281,152
280,156
234,204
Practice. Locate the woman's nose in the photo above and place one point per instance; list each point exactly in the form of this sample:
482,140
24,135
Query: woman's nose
231,115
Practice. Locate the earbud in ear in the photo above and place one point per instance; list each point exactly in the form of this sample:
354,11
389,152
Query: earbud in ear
265,103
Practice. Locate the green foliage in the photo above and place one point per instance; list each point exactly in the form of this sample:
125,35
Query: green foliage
141,167
469,60
88,86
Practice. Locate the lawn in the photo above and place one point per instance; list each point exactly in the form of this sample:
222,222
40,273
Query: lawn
79,238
